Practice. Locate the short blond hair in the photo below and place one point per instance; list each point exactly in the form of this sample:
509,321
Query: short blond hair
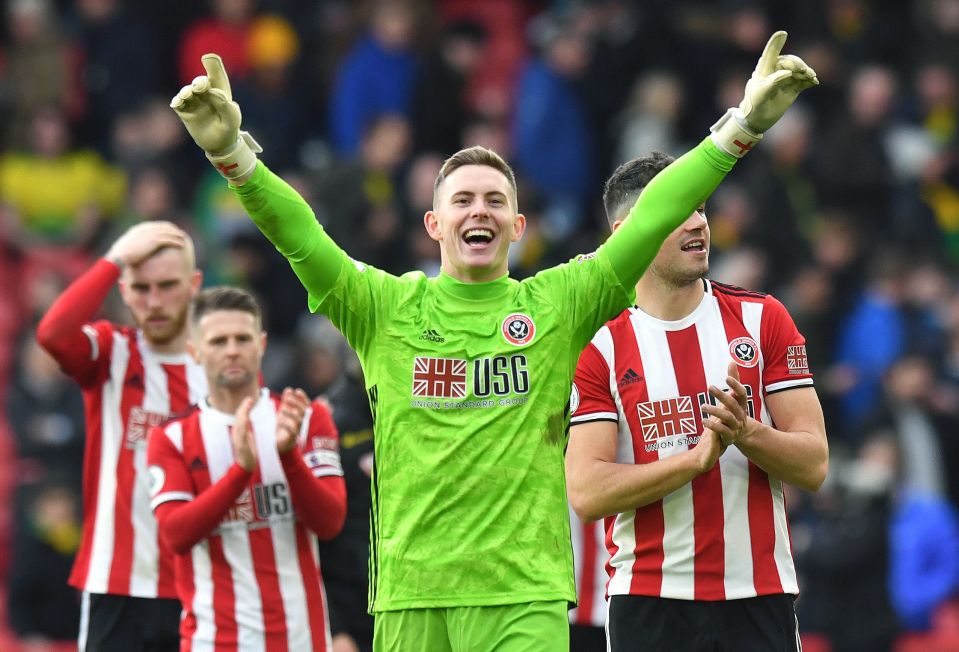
476,155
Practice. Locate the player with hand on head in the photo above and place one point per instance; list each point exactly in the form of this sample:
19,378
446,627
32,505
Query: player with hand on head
690,410
132,379
242,487
468,373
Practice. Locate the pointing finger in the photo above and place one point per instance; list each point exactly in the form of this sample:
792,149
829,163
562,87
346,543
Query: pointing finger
770,55
216,73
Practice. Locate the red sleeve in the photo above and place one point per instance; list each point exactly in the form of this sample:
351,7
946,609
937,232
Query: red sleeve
184,522
169,476
315,476
82,349
785,364
591,399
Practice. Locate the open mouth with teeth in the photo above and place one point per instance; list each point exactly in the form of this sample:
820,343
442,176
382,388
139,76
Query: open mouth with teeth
478,237
695,246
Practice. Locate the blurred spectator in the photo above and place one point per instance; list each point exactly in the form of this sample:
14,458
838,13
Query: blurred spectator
272,100
42,606
45,411
225,32
841,546
377,76
359,198
87,188
119,64
441,81
857,176
650,119
871,338
39,70
548,103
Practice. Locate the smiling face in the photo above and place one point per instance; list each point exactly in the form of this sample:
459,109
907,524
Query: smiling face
684,256
474,219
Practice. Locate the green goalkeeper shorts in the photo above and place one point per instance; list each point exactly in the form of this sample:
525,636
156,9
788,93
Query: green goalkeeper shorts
524,627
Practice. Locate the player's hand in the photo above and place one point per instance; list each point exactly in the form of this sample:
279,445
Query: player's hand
289,418
774,85
709,449
730,417
244,445
143,240
206,108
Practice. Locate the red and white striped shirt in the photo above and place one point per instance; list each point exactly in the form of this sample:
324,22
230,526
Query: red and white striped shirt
127,389
254,582
723,536
589,562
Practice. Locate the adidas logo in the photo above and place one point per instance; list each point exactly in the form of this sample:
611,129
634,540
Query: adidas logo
197,465
432,336
630,377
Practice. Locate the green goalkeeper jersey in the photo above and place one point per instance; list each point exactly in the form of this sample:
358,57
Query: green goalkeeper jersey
469,388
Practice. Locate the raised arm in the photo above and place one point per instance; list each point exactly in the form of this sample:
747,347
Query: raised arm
61,331
212,118
682,187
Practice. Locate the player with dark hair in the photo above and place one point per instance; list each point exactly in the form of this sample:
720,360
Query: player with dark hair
468,373
241,488
689,411
132,379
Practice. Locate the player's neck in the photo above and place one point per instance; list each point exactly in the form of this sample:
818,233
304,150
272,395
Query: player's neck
170,347
228,400
668,301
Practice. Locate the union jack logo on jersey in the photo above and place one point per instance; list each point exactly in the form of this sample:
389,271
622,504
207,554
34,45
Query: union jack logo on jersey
796,360
668,418
439,377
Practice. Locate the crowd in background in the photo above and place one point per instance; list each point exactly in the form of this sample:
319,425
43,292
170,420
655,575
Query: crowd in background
848,212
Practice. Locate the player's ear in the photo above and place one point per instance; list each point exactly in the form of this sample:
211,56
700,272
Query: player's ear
262,342
196,282
616,225
432,223
519,227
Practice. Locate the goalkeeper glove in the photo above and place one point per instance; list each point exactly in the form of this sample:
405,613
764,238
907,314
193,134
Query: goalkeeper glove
209,113
773,87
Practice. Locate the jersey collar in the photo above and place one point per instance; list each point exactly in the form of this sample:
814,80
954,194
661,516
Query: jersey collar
483,291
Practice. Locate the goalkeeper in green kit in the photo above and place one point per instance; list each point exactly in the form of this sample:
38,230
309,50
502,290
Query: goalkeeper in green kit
469,373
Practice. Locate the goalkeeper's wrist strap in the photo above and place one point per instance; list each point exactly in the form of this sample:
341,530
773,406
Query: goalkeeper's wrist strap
240,160
731,133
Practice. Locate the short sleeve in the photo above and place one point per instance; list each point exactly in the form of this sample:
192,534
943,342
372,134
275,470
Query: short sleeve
786,364
321,442
591,399
169,477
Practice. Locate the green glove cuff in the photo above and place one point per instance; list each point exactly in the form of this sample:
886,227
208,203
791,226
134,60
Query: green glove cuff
239,161
732,134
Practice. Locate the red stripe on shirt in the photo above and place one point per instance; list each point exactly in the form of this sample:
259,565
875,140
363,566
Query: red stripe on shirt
709,562
312,585
121,566
587,575
762,533
265,571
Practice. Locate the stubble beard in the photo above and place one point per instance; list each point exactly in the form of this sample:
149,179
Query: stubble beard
165,335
